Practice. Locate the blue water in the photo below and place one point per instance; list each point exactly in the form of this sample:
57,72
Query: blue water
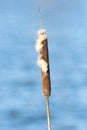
22,104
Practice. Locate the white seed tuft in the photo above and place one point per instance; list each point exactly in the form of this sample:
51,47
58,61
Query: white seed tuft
39,47
43,65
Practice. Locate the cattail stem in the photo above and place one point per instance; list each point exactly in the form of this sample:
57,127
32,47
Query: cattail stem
48,113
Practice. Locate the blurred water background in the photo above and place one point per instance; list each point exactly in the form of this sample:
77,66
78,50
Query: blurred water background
22,105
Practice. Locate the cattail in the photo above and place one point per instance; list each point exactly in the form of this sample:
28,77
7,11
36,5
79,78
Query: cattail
43,62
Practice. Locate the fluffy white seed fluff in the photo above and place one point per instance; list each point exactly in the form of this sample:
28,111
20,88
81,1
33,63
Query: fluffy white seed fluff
41,37
42,34
43,65
39,46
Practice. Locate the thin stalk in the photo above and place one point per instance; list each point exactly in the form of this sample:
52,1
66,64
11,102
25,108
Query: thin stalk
48,113
39,12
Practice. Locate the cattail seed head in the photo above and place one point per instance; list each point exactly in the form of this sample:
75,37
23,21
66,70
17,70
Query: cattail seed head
43,60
